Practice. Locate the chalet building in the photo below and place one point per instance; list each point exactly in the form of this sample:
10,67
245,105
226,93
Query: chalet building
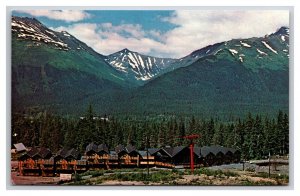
36,154
207,157
181,155
91,149
68,161
174,155
218,155
132,151
41,161
128,156
103,150
97,155
121,150
228,155
35,161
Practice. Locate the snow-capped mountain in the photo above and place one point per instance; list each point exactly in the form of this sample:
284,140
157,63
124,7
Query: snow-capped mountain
235,75
54,69
138,66
33,30
131,66
253,53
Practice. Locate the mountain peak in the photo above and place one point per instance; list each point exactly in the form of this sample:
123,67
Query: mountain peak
27,20
137,66
282,31
125,50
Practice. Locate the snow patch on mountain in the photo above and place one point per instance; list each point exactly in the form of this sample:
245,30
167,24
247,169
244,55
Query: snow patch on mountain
35,31
269,47
261,52
233,51
142,67
218,51
245,44
241,59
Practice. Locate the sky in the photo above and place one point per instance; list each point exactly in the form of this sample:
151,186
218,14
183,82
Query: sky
160,33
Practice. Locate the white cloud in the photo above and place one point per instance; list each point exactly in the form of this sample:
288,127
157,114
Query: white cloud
194,29
65,15
197,29
106,38
133,30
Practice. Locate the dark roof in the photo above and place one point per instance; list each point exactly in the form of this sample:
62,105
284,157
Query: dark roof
130,148
91,147
19,147
33,152
62,153
143,153
168,151
205,150
229,150
96,148
173,151
103,147
177,149
233,150
226,150
120,148
197,151
36,153
72,153
216,149
44,152
153,150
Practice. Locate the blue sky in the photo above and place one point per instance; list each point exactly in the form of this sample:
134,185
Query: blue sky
148,19
162,33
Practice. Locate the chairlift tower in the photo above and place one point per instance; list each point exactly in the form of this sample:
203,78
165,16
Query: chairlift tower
191,138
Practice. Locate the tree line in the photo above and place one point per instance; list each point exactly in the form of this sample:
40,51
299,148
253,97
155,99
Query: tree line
255,136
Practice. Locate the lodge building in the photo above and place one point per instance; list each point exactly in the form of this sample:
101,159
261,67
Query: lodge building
41,161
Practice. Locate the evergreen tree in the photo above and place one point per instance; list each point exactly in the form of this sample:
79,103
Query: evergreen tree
182,132
285,134
248,143
218,138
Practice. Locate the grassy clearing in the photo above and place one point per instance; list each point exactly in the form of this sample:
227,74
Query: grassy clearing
215,173
201,177
155,176
158,176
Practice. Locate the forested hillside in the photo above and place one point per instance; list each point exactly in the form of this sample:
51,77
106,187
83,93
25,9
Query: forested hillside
255,136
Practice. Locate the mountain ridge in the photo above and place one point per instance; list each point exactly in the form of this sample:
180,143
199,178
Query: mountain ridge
58,71
136,65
